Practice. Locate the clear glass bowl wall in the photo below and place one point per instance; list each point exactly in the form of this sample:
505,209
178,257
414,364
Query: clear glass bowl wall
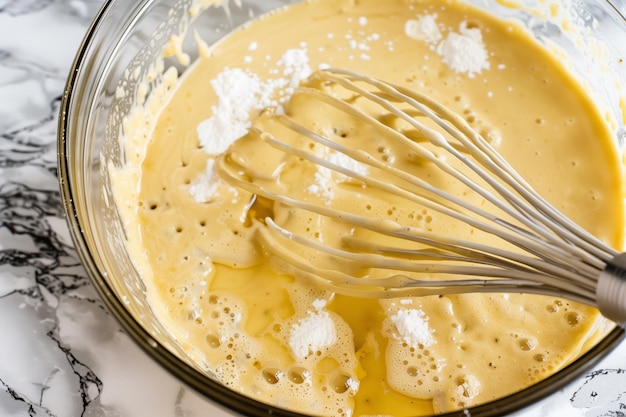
128,36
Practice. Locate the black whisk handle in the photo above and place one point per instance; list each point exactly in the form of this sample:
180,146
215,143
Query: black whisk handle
611,290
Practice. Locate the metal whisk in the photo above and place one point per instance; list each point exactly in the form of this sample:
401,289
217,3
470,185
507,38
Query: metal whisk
536,249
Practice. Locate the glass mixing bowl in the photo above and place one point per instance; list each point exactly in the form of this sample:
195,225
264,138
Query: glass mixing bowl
122,43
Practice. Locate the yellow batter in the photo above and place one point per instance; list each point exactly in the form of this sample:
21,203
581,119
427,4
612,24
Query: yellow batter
271,336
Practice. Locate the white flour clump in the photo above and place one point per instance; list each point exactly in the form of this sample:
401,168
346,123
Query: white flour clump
465,52
204,188
208,186
312,333
325,178
322,184
295,64
240,92
423,28
412,327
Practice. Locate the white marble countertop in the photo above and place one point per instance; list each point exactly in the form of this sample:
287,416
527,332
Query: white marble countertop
61,353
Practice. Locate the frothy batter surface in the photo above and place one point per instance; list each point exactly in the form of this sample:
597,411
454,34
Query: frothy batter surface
275,338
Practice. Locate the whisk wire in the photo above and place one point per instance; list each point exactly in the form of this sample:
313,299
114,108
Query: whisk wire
538,208
443,202
499,169
465,251
501,263
395,285
554,256
516,209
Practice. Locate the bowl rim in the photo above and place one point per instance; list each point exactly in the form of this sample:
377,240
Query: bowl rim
211,390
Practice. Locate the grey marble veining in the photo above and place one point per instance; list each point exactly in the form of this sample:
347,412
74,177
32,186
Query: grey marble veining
61,352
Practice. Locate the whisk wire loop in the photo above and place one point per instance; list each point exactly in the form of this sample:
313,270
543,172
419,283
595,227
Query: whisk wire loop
491,167
466,251
544,251
399,284
445,203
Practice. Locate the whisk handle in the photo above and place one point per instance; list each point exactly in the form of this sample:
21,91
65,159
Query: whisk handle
611,290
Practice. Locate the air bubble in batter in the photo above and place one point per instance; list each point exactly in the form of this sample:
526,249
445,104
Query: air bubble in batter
298,375
213,340
272,375
340,383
